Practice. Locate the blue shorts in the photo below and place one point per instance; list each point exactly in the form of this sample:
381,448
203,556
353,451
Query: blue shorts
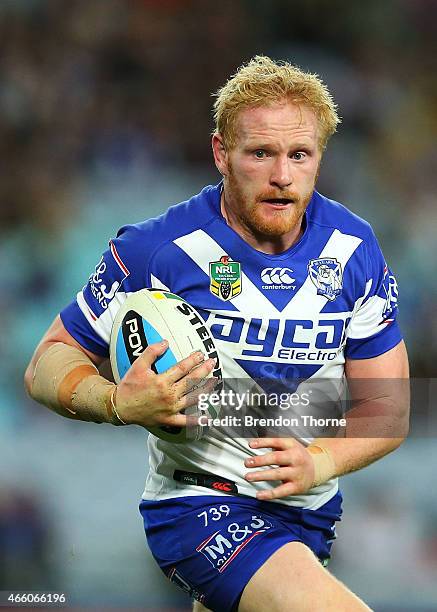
211,546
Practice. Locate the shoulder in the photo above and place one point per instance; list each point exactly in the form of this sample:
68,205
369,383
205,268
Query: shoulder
324,212
179,220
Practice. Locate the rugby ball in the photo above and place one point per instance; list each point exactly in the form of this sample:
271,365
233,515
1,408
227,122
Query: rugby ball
151,315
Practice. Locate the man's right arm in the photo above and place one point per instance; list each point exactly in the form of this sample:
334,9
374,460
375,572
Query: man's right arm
63,375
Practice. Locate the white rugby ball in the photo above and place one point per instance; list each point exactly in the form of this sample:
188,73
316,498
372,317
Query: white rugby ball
149,316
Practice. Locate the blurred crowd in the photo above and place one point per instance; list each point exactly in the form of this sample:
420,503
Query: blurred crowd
105,115
93,93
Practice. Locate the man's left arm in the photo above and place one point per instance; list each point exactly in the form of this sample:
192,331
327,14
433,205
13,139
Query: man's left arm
378,420
376,425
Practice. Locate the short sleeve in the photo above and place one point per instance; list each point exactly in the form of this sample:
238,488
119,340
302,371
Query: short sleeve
373,329
121,270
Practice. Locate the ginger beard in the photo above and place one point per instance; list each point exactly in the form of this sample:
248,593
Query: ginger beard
258,217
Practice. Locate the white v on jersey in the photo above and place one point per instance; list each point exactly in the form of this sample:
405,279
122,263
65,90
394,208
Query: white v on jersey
296,315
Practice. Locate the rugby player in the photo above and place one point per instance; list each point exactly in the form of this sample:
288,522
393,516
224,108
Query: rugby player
242,523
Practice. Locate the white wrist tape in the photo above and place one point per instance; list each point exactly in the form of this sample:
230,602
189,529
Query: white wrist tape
324,465
67,381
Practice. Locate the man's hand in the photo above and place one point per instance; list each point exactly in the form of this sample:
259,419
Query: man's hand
296,467
149,399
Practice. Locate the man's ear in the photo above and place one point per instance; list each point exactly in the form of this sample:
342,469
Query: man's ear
220,154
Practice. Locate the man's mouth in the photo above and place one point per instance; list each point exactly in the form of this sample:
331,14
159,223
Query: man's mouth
278,201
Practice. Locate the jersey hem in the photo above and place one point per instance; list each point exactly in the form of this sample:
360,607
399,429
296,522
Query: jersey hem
196,491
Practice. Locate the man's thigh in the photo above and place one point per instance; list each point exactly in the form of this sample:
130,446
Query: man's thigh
292,579
212,546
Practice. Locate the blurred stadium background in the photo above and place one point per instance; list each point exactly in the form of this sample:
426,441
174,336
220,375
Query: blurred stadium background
104,120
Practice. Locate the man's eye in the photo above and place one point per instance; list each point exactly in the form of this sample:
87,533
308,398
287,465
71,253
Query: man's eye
260,153
299,155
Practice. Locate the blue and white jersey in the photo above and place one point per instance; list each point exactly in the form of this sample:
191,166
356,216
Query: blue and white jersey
297,314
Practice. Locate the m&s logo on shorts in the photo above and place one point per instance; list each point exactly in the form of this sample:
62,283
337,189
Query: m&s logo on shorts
221,550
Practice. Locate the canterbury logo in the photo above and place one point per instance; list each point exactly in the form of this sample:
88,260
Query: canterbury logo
277,276
221,486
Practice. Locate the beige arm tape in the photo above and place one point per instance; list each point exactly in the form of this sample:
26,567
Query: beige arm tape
324,464
67,381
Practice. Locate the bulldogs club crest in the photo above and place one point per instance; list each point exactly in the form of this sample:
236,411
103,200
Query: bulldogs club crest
225,278
327,276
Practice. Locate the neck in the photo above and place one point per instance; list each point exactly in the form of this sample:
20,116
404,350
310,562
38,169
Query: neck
271,245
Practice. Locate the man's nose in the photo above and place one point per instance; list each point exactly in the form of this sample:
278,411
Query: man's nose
281,172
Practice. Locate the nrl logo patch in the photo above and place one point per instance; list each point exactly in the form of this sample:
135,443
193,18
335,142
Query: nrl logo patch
225,278
327,276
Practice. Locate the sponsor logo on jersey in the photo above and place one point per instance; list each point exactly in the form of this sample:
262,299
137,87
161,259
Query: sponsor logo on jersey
222,486
390,293
105,281
327,276
277,278
225,278
284,340
224,545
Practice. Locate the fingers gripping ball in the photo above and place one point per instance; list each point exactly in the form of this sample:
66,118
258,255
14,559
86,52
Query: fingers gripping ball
152,315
